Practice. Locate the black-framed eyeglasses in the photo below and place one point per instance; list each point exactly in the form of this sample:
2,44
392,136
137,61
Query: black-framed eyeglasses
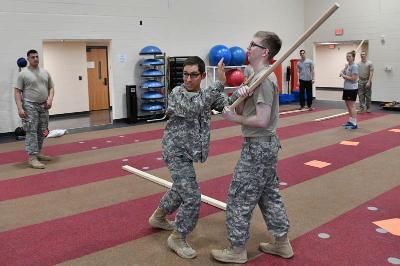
256,45
191,75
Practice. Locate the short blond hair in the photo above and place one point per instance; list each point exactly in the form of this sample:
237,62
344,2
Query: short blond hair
271,41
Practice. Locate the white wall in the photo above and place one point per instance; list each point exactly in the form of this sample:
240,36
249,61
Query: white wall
364,19
178,27
66,61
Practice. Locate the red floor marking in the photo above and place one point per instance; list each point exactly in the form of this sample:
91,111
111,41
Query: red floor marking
293,171
100,143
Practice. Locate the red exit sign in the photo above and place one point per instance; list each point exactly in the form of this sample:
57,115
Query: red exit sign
339,31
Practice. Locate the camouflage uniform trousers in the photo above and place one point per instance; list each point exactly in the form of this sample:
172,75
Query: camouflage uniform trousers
184,194
364,95
35,124
255,181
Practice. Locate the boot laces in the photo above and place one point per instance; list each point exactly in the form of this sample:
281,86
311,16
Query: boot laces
185,244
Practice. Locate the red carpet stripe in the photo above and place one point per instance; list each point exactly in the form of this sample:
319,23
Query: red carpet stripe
75,176
67,238
293,171
313,126
100,143
353,239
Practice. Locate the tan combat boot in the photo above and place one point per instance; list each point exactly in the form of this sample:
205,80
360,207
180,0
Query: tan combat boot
231,254
159,220
177,242
42,157
281,247
34,163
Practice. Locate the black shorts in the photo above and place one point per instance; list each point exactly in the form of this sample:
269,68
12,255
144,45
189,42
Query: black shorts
350,95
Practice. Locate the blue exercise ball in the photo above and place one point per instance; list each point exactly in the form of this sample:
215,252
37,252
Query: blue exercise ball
238,56
217,52
21,62
150,49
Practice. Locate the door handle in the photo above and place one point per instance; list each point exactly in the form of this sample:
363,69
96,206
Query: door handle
99,69
105,81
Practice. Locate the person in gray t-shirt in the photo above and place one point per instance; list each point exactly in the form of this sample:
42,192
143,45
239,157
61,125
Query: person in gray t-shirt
366,72
305,69
350,76
34,94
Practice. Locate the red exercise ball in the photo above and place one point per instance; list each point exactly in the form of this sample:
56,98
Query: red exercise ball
234,77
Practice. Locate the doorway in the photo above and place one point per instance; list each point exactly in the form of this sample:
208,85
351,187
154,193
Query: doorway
97,71
329,60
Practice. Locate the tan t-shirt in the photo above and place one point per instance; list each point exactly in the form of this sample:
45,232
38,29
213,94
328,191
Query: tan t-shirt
268,94
364,70
34,84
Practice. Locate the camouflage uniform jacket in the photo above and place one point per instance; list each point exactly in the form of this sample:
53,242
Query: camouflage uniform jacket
187,133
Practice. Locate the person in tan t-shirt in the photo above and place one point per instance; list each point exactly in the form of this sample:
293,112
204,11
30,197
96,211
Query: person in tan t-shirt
255,179
33,95
366,72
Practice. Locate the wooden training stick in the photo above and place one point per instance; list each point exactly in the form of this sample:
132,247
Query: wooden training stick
359,46
213,202
331,116
302,38
293,111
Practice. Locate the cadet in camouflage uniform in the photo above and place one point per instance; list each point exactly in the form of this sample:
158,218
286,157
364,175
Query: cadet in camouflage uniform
255,180
365,72
186,140
34,94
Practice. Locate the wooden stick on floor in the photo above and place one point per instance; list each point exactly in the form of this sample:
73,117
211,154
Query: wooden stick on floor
331,116
213,202
293,111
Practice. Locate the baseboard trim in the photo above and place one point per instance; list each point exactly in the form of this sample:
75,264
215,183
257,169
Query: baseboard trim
84,113
328,89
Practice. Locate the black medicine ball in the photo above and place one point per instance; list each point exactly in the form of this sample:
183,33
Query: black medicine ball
21,62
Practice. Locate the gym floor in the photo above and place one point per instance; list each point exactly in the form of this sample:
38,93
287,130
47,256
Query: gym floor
83,209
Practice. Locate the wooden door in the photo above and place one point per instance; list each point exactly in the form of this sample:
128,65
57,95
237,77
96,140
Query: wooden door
97,78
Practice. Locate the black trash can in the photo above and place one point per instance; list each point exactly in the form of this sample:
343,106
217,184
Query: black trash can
131,104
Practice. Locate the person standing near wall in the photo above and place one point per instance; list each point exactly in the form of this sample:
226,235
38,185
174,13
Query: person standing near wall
305,69
350,89
366,72
34,94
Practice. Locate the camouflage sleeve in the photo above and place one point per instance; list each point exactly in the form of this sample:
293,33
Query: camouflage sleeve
233,97
189,104
220,102
218,96
184,104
